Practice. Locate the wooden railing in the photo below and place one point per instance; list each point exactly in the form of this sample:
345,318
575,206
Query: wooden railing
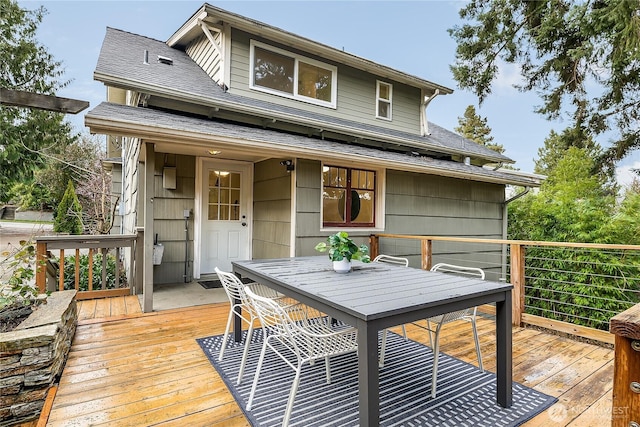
508,260
626,376
53,251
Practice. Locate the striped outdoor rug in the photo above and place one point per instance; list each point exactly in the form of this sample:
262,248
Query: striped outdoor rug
466,396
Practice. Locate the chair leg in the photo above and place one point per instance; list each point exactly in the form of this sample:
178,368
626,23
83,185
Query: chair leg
404,332
475,336
245,353
436,354
430,333
226,336
383,347
292,396
327,368
257,374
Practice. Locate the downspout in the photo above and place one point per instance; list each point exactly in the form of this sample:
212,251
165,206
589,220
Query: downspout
503,273
423,115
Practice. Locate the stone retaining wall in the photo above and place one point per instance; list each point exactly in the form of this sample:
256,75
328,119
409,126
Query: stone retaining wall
32,357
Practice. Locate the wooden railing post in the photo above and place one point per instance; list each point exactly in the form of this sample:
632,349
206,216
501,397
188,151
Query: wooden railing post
139,260
626,369
374,246
426,251
41,267
517,280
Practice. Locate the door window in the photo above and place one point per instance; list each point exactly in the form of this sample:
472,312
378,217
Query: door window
224,196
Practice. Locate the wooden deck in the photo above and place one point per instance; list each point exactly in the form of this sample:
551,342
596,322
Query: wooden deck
134,369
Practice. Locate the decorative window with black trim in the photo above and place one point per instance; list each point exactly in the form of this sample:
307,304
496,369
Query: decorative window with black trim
348,197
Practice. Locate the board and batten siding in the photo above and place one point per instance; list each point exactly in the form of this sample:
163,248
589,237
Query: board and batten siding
168,216
356,91
271,210
206,56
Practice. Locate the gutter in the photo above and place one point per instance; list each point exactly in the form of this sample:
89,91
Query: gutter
505,212
165,134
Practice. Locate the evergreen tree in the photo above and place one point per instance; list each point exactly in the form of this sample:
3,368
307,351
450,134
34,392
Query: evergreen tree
475,128
69,214
27,66
581,57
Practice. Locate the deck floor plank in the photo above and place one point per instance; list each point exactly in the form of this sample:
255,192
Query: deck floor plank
147,369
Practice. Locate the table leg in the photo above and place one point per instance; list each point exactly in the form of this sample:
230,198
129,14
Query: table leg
504,351
368,375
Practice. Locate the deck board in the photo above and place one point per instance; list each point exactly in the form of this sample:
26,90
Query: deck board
129,368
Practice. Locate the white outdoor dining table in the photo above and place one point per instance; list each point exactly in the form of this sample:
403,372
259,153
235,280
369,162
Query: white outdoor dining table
376,296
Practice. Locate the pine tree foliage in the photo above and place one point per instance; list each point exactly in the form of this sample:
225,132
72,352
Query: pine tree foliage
476,129
582,57
69,214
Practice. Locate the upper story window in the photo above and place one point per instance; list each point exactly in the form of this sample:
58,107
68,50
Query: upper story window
287,74
348,197
384,95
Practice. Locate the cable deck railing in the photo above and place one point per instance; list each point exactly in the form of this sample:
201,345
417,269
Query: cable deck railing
575,288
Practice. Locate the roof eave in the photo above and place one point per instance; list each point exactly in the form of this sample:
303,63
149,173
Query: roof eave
191,98
158,133
182,36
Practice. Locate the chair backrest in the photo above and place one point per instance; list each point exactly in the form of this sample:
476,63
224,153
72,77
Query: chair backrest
460,270
389,259
271,314
234,287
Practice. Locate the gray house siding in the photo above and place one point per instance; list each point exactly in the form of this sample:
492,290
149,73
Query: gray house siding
168,209
356,91
271,210
203,54
308,198
438,206
416,204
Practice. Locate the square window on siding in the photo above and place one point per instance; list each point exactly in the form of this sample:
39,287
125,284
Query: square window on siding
384,98
348,197
273,71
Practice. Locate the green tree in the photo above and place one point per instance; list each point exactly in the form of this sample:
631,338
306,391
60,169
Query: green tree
582,57
26,65
69,214
476,129
575,205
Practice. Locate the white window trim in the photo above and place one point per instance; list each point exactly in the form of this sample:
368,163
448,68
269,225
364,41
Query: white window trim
378,99
296,58
381,190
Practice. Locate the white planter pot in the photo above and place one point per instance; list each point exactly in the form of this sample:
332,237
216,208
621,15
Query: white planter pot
343,266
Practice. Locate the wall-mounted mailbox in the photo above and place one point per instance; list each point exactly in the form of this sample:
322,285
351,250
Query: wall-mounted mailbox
169,178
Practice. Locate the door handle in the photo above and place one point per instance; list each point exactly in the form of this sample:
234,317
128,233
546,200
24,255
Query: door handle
244,224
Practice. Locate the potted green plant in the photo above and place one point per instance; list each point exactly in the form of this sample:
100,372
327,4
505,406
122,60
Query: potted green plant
342,250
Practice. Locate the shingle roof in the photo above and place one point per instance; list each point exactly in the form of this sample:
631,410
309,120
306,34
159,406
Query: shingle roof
133,120
121,64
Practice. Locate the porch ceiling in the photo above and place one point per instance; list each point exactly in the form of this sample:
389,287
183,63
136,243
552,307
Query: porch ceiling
178,134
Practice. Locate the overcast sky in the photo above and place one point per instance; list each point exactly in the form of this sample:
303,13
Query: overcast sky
410,36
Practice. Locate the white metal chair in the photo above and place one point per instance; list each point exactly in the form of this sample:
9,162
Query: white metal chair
241,306
307,338
438,321
389,259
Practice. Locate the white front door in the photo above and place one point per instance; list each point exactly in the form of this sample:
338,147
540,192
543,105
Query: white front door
225,215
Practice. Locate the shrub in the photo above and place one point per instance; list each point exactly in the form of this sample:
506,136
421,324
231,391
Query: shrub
69,213
70,266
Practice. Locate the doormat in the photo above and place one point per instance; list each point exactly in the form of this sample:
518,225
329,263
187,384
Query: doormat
466,396
212,284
